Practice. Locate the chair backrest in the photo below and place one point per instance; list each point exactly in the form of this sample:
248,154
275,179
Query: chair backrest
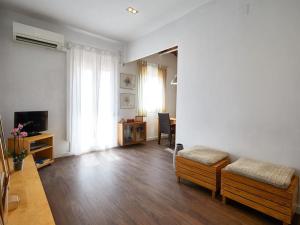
164,123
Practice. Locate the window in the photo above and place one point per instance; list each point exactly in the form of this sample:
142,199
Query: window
151,93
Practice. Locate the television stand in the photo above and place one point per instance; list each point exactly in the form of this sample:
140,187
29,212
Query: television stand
39,146
33,134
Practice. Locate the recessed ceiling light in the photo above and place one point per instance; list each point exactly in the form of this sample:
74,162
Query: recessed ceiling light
132,10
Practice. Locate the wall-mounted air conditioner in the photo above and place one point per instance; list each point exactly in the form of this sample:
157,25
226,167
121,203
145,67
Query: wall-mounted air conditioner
33,35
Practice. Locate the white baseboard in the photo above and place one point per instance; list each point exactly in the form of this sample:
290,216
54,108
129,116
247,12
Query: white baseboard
151,138
163,136
63,155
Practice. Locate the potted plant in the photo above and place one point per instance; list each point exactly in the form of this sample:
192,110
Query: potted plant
19,153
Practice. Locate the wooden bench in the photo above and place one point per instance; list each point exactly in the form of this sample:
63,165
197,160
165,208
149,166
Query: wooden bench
276,202
201,174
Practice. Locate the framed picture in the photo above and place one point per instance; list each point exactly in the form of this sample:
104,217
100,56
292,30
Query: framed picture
127,101
127,81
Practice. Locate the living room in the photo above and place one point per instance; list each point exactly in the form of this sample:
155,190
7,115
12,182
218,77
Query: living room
213,73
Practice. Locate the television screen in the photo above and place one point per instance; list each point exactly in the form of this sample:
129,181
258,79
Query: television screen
34,121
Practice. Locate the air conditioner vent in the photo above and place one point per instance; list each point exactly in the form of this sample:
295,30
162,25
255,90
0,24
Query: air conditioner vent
37,42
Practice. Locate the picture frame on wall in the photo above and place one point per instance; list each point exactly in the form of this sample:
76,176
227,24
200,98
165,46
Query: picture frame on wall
127,81
127,101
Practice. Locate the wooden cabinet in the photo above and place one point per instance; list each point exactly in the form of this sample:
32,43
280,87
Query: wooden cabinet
132,133
40,146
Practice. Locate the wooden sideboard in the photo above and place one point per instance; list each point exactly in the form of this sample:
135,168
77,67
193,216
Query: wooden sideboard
33,206
130,133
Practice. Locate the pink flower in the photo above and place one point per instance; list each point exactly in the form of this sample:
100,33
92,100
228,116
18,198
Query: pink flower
23,134
20,126
15,131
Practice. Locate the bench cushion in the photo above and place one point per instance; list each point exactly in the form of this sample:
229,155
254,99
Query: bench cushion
202,154
276,175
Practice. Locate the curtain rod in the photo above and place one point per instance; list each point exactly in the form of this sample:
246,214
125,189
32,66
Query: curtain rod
69,45
145,61
118,53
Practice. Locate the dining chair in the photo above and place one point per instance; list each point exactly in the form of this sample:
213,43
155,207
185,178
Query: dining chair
165,127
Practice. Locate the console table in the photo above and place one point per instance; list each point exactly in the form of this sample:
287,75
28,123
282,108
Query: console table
33,206
131,133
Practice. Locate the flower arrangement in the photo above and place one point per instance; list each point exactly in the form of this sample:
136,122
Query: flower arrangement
18,153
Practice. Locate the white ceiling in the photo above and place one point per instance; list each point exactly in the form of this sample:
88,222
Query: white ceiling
108,18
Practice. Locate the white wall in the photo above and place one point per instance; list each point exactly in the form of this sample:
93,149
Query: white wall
128,68
168,60
239,77
34,78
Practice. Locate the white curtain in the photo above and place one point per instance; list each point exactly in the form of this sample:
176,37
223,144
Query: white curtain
92,99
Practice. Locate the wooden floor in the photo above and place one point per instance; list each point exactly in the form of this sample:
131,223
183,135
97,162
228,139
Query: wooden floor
134,186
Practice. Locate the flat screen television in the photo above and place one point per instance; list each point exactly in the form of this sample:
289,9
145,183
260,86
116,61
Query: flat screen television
34,121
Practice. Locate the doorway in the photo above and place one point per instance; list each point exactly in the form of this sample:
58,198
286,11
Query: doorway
156,91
